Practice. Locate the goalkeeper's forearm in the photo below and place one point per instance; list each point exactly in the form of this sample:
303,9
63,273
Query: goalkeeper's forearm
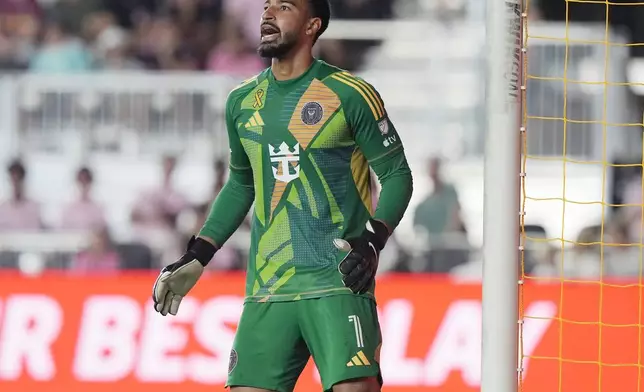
229,208
396,188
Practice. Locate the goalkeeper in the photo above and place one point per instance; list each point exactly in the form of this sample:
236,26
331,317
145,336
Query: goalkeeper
302,136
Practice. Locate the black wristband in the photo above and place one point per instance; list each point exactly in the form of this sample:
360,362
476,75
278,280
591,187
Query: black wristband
201,250
380,233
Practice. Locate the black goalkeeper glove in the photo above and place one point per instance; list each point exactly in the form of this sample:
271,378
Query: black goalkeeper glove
176,280
359,267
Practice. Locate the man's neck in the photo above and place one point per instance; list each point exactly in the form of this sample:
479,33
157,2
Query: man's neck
292,65
18,196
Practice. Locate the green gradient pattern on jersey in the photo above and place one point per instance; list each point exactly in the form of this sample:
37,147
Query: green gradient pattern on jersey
309,142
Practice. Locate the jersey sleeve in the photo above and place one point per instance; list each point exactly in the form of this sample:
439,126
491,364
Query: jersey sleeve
372,129
378,140
236,197
238,159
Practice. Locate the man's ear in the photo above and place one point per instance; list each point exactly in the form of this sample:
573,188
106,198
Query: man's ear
315,24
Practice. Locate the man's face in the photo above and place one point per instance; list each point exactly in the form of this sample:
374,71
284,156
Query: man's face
84,180
16,178
283,26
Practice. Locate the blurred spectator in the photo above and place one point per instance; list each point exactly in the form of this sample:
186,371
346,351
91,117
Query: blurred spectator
539,254
582,261
110,42
160,206
586,260
18,30
83,213
113,51
440,212
19,7
19,213
60,52
439,216
129,13
197,21
155,213
158,46
72,13
183,59
100,257
249,14
234,55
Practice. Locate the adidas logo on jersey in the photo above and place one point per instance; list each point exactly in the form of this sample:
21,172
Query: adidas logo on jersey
359,360
255,123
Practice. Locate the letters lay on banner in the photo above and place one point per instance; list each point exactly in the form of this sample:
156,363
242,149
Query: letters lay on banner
98,334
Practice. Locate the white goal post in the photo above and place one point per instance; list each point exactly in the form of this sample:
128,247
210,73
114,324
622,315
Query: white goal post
504,90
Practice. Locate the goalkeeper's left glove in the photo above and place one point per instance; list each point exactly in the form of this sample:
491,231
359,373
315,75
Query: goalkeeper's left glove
359,267
176,280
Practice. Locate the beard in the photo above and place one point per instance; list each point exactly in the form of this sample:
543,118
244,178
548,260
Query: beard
277,48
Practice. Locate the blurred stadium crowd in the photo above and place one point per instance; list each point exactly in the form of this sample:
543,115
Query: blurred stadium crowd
71,36
219,36
158,236
163,219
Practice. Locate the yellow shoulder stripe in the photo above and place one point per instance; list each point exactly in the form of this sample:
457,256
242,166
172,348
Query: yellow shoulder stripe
370,92
375,108
245,83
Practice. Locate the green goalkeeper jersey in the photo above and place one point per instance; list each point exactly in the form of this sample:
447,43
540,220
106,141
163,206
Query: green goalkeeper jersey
309,143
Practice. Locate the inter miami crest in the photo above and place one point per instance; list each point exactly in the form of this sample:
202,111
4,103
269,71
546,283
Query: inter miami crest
233,361
312,113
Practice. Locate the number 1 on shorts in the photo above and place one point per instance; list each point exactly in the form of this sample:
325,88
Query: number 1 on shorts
358,329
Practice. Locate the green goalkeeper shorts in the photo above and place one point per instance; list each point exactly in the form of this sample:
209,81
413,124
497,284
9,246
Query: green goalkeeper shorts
274,341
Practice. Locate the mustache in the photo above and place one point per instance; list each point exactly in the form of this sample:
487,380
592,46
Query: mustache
268,24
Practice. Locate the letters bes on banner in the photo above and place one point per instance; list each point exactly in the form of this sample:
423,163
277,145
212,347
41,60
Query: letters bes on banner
97,334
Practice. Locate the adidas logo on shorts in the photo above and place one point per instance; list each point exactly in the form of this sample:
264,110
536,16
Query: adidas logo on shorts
359,360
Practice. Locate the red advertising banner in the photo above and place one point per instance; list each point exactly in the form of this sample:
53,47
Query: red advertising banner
73,334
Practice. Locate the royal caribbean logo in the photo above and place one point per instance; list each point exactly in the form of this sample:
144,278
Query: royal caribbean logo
285,162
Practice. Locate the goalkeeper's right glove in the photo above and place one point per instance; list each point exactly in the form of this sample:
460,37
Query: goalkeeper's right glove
176,280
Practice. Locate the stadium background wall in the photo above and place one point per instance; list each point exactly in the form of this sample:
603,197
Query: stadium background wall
61,333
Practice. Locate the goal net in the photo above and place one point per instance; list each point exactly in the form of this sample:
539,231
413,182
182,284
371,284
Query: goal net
581,203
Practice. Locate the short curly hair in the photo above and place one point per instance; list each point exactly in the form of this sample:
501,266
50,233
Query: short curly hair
321,9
